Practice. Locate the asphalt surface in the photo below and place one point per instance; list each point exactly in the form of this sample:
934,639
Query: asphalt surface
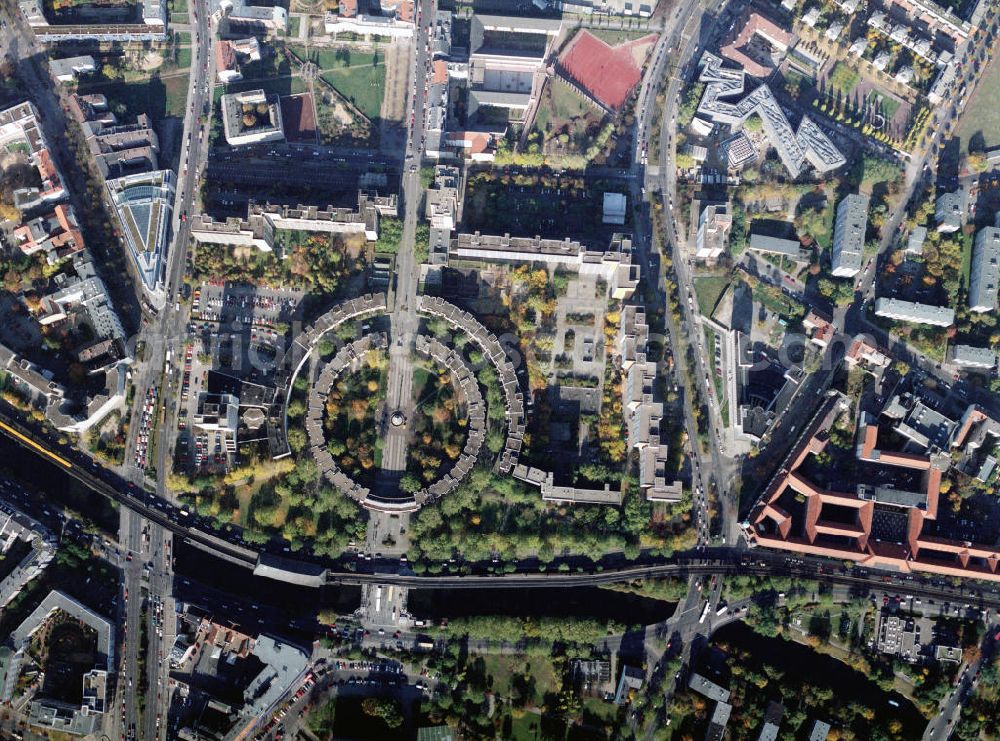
162,332
404,320
675,47
164,329
161,628
129,719
704,560
641,180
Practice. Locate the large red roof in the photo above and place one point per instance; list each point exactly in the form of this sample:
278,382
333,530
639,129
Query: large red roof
606,73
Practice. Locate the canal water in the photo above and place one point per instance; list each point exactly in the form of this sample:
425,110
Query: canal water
56,486
426,604
801,665
217,574
583,602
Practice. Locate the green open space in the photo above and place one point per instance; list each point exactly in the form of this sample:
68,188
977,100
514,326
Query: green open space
888,104
437,427
350,422
708,290
980,123
177,6
159,97
293,26
966,268
796,83
339,58
526,727
179,18
184,57
564,104
814,217
566,125
711,338
176,89
842,78
183,37
363,85
615,36
530,677
360,718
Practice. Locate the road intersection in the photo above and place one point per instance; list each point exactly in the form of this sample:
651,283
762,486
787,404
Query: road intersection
147,535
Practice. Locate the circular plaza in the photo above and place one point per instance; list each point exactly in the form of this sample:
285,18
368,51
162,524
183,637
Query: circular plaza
396,419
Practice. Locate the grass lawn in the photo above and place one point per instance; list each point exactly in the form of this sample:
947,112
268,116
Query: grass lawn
176,91
710,341
332,59
615,36
562,109
596,707
963,275
293,26
177,18
708,291
795,81
503,670
567,103
776,301
183,37
526,728
818,224
178,6
350,721
140,96
889,104
420,376
157,97
982,114
184,57
364,86
842,78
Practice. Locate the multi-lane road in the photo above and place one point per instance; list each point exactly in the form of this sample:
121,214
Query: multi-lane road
147,528
148,576
130,536
680,39
674,37
381,609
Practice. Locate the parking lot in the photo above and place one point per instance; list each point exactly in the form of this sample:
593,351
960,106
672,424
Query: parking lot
236,329
348,679
237,350
198,449
245,304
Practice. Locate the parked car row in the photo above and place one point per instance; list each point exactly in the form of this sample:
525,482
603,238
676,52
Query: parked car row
145,427
186,378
